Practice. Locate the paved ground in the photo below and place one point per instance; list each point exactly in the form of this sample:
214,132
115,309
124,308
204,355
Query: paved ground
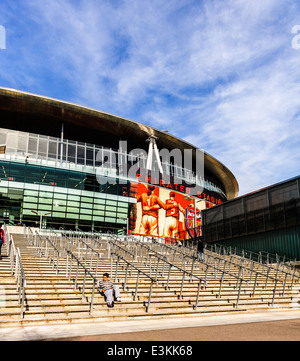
266,326
258,331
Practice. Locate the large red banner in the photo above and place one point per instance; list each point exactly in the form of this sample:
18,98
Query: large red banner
160,212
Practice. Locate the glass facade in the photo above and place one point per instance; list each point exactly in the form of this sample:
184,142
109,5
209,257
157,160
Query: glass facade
57,183
63,152
60,197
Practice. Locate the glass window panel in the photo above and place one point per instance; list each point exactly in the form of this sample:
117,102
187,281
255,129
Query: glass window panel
45,201
110,214
45,207
86,205
72,216
16,191
2,136
87,199
46,195
85,217
30,199
123,205
80,152
98,219
43,146
72,210
111,203
58,215
59,196
32,145
22,143
31,193
12,141
73,204
32,206
59,206
86,211
3,190
99,213
125,212
71,153
109,208
73,198
28,212
53,149
59,203
90,156
99,206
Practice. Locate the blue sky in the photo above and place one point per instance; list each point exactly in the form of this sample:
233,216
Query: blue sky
222,75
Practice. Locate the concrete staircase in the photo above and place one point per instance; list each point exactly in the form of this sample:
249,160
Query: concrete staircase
52,299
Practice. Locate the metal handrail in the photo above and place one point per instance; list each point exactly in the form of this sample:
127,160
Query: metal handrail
176,250
239,279
21,280
80,254
268,267
47,248
113,240
11,249
241,268
184,273
261,257
17,269
139,271
86,273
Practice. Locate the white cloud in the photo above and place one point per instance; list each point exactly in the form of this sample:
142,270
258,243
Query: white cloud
253,127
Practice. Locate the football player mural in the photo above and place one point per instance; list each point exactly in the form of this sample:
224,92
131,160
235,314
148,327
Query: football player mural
164,213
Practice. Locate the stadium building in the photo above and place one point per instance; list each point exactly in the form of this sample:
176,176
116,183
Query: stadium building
72,167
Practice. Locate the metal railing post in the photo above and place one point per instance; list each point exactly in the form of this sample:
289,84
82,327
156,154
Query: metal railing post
149,298
137,284
239,292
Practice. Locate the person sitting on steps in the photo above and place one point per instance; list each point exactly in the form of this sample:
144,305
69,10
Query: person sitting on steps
109,290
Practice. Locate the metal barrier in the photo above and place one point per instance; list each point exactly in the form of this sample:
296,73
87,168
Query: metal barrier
139,272
21,280
86,273
219,266
45,247
241,266
162,258
85,252
265,267
128,250
261,257
17,268
48,248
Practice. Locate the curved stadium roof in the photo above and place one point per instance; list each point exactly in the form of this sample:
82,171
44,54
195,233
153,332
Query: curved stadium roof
38,114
